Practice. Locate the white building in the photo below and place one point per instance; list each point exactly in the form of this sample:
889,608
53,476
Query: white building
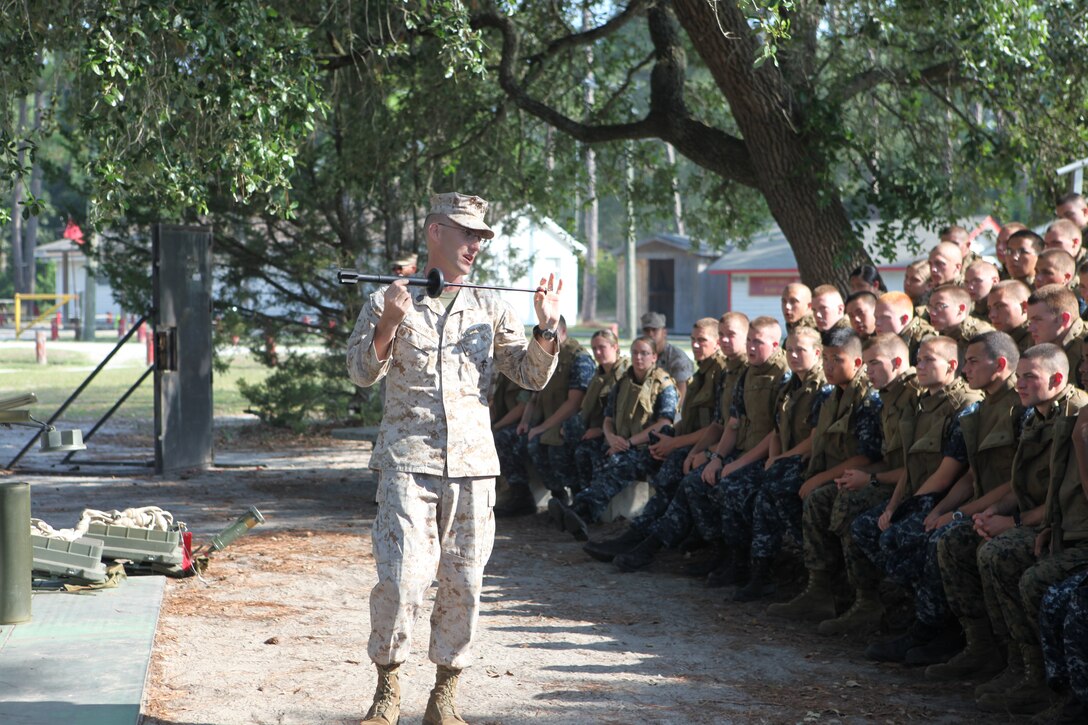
757,274
524,251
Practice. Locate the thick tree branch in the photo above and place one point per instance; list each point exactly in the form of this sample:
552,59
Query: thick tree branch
668,118
945,72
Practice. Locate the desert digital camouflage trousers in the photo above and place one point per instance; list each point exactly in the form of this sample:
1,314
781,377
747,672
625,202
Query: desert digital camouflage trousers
427,526
1014,581
1063,623
829,543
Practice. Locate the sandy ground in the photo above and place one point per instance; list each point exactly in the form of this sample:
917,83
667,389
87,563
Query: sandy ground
275,631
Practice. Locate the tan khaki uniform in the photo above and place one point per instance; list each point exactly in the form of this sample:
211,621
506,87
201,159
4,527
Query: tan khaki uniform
914,333
697,411
1022,337
437,461
990,436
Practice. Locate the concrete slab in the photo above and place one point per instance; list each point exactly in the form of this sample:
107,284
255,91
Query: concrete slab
83,658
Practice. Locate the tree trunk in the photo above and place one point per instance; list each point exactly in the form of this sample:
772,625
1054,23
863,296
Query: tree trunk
677,202
18,262
30,240
795,183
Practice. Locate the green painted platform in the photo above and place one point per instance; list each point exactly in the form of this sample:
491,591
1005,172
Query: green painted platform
82,659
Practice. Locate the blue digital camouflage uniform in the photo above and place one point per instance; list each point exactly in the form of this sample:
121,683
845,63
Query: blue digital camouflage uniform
695,505
741,492
667,481
589,454
994,429
849,421
900,550
555,463
1063,625
621,469
512,454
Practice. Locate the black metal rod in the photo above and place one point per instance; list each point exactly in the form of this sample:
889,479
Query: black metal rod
111,411
434,281
80,389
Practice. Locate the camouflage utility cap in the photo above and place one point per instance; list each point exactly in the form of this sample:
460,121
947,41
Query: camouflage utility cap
653,319
410,261
468,211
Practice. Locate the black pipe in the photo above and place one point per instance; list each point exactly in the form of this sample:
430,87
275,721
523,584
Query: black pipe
434,281
111,411
80,389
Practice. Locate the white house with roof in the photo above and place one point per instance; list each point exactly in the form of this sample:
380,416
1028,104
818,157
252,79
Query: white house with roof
522,252
756,275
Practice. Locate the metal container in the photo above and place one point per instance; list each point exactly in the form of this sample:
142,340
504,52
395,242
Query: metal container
16,553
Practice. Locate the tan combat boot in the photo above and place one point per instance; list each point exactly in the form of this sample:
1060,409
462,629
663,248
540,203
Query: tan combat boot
1013,673
815,603
980,658
440,708
863,616
386,707
1027,697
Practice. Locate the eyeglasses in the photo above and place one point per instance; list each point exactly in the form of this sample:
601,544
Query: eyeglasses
468,234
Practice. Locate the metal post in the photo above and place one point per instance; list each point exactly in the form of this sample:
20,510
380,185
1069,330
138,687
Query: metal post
16,557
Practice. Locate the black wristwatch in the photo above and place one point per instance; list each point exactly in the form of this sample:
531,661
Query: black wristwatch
548,335
873,480
1016,518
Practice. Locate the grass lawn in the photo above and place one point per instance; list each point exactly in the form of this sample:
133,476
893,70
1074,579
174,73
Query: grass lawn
67,369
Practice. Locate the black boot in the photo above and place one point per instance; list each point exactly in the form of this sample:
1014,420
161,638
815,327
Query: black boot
732,569
944,646
640,556
557,513
895,649
608,550
518,501
575,520
760,584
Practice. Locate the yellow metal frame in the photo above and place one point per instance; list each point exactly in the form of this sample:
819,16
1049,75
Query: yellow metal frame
19,298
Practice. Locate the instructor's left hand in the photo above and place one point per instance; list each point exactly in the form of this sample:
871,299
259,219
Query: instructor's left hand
546,302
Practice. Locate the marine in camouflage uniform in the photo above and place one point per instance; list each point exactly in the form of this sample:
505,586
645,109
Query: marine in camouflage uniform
437,473
552,452
697,413
913,333
990,434
666,483
589,452
931,436
934,450
746,513
752,415
1046,478
1063,626
633,406
848,430
696,504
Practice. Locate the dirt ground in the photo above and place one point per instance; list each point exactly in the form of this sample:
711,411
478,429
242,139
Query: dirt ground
275,631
